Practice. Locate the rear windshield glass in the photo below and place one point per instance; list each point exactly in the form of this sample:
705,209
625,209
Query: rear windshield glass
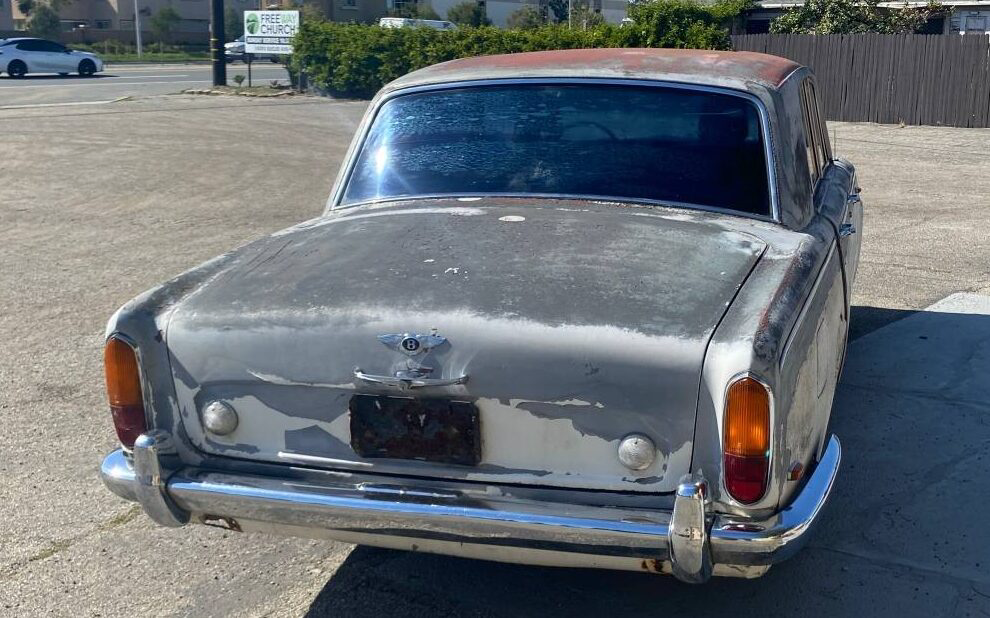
609,141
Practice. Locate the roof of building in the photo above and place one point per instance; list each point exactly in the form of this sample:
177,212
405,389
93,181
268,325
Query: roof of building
732,69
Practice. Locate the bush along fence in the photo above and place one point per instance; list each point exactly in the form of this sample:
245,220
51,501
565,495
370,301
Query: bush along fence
891,78
356,60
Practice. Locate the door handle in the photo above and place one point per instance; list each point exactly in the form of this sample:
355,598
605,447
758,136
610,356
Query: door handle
854,198
846,229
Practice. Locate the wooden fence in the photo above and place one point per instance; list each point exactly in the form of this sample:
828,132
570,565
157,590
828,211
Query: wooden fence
891,78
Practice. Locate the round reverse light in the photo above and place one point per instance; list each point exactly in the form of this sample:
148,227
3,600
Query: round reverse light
637,452
219,418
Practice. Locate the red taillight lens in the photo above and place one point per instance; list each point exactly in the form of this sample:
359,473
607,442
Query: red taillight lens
124,391
746,440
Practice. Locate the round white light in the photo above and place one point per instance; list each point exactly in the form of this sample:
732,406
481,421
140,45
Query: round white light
219,418
637,452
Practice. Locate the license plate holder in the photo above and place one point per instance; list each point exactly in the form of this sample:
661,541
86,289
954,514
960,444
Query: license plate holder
435,430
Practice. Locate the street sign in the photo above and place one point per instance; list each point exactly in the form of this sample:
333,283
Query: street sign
270,32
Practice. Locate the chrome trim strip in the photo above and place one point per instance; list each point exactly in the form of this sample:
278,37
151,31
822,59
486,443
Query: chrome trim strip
334,203
489,517
407,382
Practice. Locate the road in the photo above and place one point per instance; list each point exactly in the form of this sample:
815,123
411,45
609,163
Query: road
123,80
99,203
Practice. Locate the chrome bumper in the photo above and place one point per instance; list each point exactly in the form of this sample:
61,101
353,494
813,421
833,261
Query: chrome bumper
690,542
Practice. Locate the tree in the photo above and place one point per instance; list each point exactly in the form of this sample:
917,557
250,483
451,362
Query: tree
559,8
44,21
468,14
164,22
415,10
25,7
678,23
233,24
852,17
526,18
583,17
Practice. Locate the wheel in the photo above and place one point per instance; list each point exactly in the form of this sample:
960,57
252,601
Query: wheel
87,68
274,59
17,68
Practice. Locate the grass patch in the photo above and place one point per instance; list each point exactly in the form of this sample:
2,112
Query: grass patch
53,548
121,518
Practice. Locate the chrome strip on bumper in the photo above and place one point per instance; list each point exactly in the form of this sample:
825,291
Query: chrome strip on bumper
691,538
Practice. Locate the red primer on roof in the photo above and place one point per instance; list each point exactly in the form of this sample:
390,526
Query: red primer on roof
628,63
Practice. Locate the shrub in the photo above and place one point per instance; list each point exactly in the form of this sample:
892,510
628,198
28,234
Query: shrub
853,17
357,60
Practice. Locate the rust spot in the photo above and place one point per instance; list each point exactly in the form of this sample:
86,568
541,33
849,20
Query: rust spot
629,62
653,565
226,523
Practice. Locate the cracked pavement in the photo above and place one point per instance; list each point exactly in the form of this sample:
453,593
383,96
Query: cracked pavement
99,204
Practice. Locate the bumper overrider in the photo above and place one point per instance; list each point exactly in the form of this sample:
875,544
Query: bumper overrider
690,542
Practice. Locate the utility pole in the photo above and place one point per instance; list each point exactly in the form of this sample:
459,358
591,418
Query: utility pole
217,37
137,28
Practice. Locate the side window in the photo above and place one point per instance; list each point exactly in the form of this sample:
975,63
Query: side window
49,46
822,151
29,46
810,122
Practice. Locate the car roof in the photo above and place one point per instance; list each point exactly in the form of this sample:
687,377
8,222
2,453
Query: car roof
21,39
706,67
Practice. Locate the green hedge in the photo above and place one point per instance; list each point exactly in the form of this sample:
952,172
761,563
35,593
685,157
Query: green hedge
356,60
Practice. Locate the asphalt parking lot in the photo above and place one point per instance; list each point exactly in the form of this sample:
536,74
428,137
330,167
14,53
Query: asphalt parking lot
123,80
98,203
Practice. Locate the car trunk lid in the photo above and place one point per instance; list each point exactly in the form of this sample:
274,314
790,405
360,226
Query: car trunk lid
575,324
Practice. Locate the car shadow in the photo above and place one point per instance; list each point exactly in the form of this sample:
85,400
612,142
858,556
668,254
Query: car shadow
913,415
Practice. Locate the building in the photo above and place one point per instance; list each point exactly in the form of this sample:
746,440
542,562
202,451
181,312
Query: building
963,16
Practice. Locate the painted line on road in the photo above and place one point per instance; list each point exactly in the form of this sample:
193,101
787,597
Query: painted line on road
32,105
140,76
76,84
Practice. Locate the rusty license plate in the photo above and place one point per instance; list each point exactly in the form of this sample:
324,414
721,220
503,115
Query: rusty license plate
437,430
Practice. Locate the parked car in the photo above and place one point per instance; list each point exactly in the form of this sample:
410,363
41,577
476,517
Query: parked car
20,56
408,22
581,308
234,51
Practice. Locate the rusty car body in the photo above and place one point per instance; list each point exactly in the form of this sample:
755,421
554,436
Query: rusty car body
581,308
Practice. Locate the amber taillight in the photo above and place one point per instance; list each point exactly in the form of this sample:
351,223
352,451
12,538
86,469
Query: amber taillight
746,440
124,391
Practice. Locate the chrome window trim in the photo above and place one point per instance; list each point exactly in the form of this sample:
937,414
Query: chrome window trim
334,203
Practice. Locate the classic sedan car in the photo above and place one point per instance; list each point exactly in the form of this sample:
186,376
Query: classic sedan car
581,308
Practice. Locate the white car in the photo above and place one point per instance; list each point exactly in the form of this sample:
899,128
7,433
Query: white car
21,56
408,22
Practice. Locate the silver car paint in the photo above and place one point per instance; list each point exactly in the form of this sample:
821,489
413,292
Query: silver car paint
568,344
780,309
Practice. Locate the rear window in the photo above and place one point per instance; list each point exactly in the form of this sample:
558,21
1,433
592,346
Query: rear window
639,143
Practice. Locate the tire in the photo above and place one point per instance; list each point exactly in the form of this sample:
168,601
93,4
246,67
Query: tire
274,59
17,68
87,68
